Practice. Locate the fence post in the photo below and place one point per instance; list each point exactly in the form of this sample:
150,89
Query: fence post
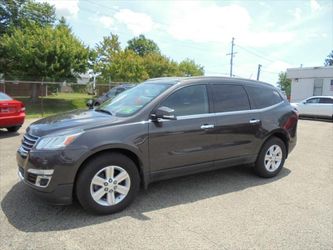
42,98
34,95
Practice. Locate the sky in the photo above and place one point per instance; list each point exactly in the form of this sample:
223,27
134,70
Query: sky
276,34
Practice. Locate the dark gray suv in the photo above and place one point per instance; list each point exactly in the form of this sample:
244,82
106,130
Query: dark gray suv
161,128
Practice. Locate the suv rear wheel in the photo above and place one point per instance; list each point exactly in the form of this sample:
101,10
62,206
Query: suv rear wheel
271,158
108,183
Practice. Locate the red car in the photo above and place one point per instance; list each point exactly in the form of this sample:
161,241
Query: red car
12,113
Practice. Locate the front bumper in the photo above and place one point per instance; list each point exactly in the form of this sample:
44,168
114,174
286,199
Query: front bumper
62,195
10,121
50,174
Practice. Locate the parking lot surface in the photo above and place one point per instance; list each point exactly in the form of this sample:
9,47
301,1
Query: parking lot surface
226,209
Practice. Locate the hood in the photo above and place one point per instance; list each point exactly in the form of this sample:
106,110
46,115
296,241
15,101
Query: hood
77,119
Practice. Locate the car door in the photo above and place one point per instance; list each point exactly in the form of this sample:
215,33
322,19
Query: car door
188,139
236,125
326,106
311,106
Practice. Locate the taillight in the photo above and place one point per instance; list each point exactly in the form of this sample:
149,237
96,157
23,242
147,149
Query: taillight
292,120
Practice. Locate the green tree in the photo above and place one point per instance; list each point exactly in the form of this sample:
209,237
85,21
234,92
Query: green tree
284,83
38,53
142,45
21,13
9,14
188,67
329,59
157,65
104,54
127,66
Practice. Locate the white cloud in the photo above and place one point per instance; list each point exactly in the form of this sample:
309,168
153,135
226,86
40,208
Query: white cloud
136,22
208,22
297,13
106,21
315,6
68,9
278,66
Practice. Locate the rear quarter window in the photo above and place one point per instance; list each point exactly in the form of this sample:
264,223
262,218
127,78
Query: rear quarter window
263,97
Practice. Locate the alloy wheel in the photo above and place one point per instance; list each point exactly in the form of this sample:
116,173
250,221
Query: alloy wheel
273,158
110,185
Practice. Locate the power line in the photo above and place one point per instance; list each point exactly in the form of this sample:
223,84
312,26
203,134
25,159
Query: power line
270,56
255,54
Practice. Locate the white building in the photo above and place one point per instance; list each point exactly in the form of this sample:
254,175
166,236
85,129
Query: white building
310,81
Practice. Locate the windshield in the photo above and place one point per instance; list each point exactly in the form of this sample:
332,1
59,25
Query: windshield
4,97
131,101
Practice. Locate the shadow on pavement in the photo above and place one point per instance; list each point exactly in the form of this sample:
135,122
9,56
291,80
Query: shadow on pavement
29,214
316,119
5,134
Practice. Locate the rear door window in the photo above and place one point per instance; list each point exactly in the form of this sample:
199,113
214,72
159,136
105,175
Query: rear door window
229,97
326,100
263,97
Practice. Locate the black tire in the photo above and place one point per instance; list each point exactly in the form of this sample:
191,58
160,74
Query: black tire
13,129
92,168
260,167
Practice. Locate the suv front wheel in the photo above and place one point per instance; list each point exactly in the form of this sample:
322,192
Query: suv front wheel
271,158
108,183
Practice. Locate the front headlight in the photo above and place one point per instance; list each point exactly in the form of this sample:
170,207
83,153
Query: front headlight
56,142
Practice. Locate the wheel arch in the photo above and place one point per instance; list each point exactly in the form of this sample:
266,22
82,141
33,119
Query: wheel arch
126,152
279,133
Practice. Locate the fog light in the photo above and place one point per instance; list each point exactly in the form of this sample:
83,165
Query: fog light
40,177
42,181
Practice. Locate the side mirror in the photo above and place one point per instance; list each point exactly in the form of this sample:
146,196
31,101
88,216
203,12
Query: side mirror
90,104
163,113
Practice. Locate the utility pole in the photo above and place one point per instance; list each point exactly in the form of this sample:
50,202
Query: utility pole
232,55
258,73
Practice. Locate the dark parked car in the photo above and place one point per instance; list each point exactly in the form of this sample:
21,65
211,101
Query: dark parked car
159,129
12,113
112,93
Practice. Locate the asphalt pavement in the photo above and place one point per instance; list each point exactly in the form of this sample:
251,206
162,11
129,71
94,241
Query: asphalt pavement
226,209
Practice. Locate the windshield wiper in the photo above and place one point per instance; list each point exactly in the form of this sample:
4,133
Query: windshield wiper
104,111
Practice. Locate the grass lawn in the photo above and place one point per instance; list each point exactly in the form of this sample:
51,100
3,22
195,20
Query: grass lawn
54,104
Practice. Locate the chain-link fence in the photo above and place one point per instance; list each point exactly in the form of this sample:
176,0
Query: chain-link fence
47,98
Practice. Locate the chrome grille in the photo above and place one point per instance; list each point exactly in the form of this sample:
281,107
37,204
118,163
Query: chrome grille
28,142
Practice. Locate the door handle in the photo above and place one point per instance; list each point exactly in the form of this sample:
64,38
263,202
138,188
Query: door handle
207,126
254,121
